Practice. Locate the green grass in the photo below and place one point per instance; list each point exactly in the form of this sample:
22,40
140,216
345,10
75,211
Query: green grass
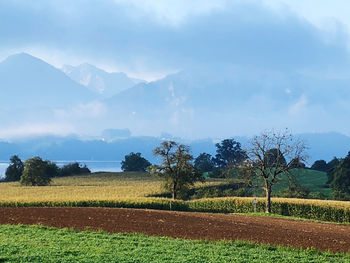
44,244
292,218
313,180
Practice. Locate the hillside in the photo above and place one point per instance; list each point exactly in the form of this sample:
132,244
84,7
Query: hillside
30,83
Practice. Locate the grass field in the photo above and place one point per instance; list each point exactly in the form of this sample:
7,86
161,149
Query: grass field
43,244
313,180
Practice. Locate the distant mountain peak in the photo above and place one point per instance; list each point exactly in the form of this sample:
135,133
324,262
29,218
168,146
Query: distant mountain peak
38,84
98,80
24,58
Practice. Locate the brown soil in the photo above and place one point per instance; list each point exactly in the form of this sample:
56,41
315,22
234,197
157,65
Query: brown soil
322,236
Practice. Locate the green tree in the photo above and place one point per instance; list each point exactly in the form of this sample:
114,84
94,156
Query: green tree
341,179
37,172
284,148
229,153
320,165
331,165
134,162
274,157
14,171
52,169
204,162
73,169
176,167
297,164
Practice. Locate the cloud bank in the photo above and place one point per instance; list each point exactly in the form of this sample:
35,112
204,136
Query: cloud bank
170,35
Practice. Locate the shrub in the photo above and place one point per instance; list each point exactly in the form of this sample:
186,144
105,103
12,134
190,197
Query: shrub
73,169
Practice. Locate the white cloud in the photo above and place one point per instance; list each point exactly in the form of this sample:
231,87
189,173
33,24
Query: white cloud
174,12
37,129
299,108
82,111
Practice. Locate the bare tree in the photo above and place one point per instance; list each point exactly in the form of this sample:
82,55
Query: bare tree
272,155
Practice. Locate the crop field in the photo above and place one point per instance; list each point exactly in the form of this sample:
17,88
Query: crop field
104,186
131,190
101,186
43,244
114,186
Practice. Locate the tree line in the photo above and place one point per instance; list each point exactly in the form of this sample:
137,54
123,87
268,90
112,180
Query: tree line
38,172
268,158
270,155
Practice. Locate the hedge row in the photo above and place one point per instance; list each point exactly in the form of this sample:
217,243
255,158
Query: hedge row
227,205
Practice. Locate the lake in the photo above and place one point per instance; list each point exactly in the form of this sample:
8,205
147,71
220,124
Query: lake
94,166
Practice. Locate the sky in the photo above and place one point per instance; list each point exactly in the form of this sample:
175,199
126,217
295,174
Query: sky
151,39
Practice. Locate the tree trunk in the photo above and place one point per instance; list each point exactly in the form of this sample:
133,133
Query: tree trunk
268,199
174,191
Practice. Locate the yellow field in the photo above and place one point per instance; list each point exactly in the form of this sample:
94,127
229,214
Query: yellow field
103,186
316,202
117,187
109,186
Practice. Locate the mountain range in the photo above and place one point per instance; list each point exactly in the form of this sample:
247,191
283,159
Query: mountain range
99,81
213,101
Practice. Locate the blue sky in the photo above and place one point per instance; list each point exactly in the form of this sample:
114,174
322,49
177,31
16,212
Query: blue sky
149,39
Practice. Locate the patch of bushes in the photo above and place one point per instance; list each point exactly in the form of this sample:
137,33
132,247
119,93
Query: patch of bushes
73,169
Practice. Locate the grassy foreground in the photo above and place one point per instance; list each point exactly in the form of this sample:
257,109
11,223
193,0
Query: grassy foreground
44,244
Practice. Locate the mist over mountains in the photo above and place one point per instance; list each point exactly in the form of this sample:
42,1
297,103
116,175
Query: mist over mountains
320,146
214,101
99,81
219,101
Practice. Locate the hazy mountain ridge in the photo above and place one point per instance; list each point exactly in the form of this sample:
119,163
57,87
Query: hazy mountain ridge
29,82
320,146
99,81
252,101
208,101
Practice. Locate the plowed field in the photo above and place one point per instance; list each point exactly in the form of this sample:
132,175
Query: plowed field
322,236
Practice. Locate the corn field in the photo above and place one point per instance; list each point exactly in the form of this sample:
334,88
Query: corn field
130,191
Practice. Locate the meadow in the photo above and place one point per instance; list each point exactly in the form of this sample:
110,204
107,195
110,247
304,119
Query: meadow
45,244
